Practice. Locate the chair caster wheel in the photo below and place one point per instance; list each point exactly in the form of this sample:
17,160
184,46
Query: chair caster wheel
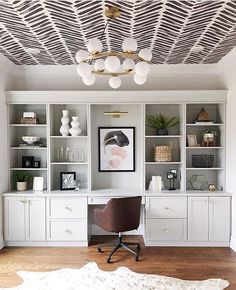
99,249
136,258
108,260
138,247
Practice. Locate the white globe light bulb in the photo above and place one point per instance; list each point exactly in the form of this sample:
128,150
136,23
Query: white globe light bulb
81,55
146,54
114,82
89,80
142,68
94,45
112,63
99,65
139,80
129,44
128,64
84,69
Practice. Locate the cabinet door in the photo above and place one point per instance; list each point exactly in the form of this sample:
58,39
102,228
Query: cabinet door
198,218
14,218
35,219
219,218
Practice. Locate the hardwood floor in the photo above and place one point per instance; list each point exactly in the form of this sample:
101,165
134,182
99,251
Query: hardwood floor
184,263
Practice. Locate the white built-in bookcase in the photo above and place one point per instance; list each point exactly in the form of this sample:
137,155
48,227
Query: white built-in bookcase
91,115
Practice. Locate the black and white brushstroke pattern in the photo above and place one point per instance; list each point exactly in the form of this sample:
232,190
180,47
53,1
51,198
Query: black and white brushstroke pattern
59,28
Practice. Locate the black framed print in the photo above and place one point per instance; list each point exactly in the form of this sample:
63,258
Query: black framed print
116,149
67,180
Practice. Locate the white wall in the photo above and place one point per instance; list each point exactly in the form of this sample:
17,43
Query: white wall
6,82
228,80
162,77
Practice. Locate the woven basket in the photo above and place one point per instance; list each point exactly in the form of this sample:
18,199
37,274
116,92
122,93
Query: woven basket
162,153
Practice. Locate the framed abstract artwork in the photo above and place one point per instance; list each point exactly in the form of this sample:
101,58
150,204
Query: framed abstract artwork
116,149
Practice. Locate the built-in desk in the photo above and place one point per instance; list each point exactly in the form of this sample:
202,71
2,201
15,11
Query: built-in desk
169,218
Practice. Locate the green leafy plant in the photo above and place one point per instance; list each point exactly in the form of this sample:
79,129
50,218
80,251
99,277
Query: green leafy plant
22,176
159,121
209,131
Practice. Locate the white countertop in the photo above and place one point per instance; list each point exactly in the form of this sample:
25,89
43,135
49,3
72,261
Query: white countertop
116,192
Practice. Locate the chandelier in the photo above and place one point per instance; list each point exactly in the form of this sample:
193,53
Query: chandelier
95,62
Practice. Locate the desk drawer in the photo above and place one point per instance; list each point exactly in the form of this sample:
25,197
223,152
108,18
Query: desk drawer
104,200
67,207
166,229
67,230
166,207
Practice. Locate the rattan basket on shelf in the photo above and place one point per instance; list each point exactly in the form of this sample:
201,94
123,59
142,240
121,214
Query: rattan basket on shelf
162,153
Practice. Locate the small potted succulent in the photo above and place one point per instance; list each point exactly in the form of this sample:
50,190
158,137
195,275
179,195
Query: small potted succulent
161,123
21,180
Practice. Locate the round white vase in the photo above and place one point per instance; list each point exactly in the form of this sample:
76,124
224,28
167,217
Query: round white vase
75,129
64,129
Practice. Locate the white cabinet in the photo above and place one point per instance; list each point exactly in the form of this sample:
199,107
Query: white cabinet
24,218
198,218
166,219
219,218
209,219
67,219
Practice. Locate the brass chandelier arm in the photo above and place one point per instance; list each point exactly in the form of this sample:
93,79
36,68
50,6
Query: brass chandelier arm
103,73
114,53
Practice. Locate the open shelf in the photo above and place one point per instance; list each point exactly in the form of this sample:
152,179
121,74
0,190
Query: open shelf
63,163
162,163
28,169
164,136
28,125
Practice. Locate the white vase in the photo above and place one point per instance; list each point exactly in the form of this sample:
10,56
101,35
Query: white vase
75,129
64,129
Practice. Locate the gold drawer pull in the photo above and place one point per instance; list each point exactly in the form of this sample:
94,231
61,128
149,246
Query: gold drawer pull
68,231
68,208
23,201
167,208
166,230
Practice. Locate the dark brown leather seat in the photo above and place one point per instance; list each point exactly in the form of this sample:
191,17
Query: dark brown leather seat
120,215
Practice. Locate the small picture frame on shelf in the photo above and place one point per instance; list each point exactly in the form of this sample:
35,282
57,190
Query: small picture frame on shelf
192,141
67,180
38,183
36,164
27,161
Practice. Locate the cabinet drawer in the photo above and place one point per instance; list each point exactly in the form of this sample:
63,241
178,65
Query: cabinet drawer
67,207
67,230
166,229
166,207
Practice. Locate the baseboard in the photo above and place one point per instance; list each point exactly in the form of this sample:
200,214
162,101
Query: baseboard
233,244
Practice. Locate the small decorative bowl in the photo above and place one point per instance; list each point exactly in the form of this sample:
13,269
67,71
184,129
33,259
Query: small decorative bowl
30,139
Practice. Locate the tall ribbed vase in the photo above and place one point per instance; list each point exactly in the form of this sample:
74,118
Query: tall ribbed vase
64,129
75,129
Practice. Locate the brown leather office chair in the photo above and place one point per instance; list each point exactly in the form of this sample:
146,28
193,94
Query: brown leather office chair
120,215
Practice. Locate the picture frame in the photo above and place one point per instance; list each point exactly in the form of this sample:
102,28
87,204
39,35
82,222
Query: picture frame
67,180
192,140
38,183
116,149
36,164
27,161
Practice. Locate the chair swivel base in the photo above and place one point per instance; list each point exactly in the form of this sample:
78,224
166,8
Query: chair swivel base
120,244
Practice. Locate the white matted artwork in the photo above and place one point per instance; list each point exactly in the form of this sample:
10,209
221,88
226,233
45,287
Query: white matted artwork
38,183
192,140
116,149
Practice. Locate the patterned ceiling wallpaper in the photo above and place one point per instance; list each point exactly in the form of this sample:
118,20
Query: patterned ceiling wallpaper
59,28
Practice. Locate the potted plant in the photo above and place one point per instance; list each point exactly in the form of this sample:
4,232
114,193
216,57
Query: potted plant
209,137
161,123
21,180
